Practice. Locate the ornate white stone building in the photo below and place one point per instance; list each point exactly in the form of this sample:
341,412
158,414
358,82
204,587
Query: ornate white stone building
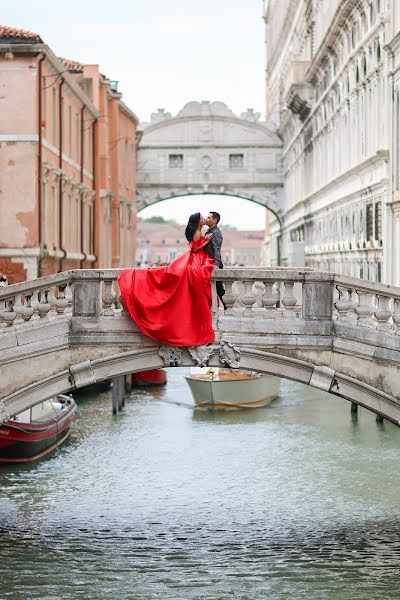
333,89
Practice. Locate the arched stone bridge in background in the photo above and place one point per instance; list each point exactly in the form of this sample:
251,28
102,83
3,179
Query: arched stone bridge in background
207,149
333,332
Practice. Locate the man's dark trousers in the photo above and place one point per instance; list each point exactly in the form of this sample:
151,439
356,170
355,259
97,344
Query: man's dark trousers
213,249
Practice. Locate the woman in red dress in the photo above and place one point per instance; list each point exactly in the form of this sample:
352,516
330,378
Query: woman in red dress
172,304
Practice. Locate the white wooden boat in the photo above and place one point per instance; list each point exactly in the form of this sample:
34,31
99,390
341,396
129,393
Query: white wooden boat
216,388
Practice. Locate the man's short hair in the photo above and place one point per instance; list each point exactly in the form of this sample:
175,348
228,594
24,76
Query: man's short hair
216,216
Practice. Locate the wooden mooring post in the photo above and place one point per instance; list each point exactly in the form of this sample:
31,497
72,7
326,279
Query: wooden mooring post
118,394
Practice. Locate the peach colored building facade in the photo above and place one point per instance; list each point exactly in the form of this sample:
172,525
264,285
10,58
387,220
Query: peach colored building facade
67,163
161,243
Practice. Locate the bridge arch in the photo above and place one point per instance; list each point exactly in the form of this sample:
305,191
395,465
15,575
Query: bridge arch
261,361
264,202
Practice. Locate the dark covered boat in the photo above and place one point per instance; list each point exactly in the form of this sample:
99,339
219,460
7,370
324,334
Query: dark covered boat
37,431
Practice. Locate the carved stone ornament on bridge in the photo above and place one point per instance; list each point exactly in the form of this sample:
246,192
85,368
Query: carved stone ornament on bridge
4,414
82,374
172,356
229,355
201,354
322,378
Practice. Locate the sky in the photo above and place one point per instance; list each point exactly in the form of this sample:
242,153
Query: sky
164,53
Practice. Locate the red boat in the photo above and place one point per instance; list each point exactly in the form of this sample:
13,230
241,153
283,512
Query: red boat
38,431
149,378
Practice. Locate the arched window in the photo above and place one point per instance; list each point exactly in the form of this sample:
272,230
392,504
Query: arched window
378,52
357,75
364,22
364,64
371,14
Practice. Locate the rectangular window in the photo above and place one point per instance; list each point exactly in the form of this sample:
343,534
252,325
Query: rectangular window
55,216
70,131
44,211
44,107
90,245
77,137
379,272
77,223
62,124
54,116
69,222
378,221
370,222
176,161
126,164
236,161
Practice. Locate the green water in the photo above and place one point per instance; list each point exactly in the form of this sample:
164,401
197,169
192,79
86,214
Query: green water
293,501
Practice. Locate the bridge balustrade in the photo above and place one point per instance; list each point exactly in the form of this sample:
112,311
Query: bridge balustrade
336,333
263,293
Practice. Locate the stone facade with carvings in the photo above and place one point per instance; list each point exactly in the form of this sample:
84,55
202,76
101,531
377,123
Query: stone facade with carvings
333,81
206,148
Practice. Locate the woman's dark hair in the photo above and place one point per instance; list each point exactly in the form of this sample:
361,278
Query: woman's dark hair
192,225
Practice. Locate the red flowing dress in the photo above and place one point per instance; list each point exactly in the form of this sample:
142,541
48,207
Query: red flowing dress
172,304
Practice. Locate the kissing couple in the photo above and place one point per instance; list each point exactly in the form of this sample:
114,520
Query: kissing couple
172,304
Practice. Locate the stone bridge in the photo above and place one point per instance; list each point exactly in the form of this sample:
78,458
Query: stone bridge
333,332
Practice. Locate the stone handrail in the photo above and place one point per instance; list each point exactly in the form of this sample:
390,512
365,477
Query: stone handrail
263,292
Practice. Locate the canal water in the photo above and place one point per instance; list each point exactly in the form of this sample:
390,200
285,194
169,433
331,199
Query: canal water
293,501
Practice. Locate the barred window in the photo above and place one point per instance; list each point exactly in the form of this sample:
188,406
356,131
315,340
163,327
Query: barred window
378,221
370,222
176,161
236,161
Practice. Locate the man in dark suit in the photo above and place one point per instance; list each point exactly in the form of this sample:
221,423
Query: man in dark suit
213,249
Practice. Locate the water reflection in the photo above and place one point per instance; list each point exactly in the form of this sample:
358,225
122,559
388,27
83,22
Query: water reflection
294,500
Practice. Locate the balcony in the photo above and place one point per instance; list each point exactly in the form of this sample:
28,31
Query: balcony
298,93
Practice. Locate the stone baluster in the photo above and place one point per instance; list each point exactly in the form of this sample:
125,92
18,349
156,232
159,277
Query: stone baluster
383,313
396,316
9,315
229,297
364,309
108,298
28,309
120,302
289,301
269,300
19,309
44,305
344,304
248,299
61,301
2,309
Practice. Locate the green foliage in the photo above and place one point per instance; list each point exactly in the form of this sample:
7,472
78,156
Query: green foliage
157,219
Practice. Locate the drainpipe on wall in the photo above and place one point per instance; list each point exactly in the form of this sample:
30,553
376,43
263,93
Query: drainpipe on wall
60,164
81,193
39,165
